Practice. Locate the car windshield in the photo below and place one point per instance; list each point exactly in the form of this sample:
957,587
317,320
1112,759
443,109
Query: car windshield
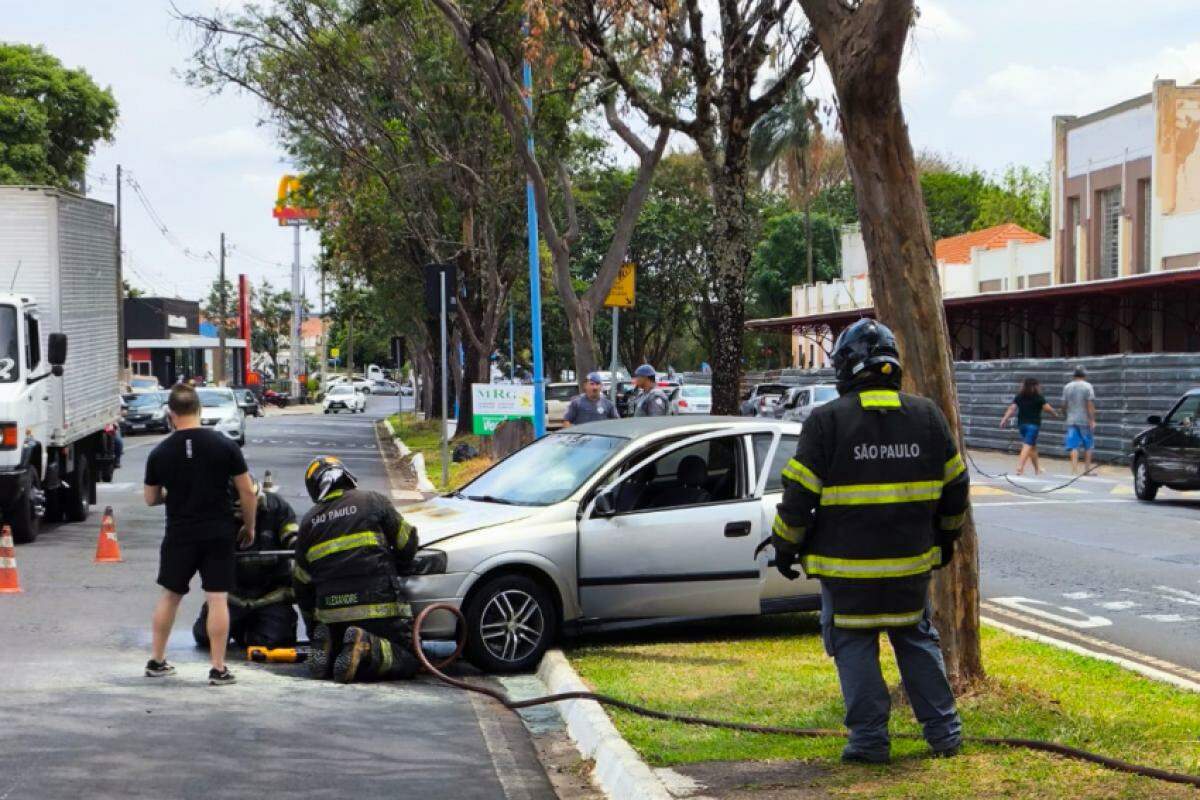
547,471
8,344
565,392
697,391
341,389
771,388
143,383
152,400
215,398
824,394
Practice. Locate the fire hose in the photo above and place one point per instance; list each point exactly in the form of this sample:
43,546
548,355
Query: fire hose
501,697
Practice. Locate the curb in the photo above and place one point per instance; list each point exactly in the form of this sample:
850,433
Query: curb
619,770
424,485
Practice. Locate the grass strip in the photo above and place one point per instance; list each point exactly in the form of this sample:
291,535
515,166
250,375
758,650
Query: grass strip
424,436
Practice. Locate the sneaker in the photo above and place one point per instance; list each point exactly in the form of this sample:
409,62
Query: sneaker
159,669
948,752
858,757
222,678
356,646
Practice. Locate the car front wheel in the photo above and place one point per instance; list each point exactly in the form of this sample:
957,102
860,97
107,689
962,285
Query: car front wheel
511,621
1143,487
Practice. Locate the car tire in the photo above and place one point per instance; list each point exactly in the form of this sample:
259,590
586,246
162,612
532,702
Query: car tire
24,521
1145,489
327,411
496,602
76,495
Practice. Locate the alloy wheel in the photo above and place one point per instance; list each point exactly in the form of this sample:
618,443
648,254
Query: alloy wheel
512,625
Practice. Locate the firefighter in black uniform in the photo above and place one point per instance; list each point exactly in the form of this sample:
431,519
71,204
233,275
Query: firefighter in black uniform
873,502
352,548
260,605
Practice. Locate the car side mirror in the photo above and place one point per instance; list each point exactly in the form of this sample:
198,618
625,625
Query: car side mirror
603,506
1154,419
56,351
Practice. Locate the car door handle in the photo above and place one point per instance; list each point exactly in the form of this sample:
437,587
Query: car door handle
735,529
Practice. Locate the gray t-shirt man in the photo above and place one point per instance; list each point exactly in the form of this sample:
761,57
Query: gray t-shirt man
1076,396
583,409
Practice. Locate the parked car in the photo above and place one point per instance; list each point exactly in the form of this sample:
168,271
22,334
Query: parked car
142,384
644,518
558,397
385,387
406,389
799,401
1168,453
691,398
344,397
761,400
248,402
219,409
146,413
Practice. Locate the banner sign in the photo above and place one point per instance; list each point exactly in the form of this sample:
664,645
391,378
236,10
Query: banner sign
624,288
492,403
287,203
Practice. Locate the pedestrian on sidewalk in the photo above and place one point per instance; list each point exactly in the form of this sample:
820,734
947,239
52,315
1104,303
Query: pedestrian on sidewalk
1028,405
591,406
1079,407
189,472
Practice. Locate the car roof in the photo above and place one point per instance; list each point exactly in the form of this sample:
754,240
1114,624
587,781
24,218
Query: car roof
637,427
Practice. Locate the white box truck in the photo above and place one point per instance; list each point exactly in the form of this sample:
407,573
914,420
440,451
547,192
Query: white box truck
59,404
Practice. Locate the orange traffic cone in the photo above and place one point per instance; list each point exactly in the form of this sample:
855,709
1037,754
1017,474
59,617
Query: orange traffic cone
108,549
10,581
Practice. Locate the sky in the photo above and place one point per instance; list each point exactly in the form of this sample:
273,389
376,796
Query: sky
980,82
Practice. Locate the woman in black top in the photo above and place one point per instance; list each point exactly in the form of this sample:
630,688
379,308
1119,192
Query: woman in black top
1028,405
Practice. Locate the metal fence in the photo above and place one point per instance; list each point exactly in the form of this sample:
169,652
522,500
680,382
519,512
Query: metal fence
1128,389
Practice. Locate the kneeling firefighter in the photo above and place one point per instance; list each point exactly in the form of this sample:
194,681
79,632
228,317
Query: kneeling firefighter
352,548
873,502
260,605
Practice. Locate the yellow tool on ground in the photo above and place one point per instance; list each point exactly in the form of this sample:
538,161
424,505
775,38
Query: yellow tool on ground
276,655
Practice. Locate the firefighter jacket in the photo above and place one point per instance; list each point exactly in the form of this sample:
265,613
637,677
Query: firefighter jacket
275,529
875,492
350,552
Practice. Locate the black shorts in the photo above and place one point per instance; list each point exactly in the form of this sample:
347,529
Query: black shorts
212,558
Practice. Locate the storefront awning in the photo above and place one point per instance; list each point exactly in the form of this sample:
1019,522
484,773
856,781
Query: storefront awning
183,343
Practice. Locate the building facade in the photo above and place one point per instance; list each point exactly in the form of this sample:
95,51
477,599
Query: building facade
163,339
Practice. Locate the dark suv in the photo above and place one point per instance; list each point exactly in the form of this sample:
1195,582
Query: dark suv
1168,454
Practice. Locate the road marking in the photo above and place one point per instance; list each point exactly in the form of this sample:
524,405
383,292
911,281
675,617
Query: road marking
983,490
1047,501
1180,596
1167,618
1078,595
1031,606
1118,605
116,487
1121,488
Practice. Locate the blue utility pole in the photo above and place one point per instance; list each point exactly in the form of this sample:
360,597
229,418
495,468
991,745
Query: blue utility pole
535,274
512,365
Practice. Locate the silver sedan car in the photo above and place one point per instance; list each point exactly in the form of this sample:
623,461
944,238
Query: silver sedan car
645,518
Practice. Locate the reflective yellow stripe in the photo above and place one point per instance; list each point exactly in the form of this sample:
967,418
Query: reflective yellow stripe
952,523
954,468
368,611
334,495
787,532
299,574
795,471
348,542
878,620
291,527
385,651
402,535
873,493
870,568
879,398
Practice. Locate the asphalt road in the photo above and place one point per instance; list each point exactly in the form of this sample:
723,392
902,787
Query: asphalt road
1089,561
79,719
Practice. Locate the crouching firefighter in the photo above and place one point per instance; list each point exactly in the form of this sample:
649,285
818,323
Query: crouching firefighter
260,604
351,551
873,502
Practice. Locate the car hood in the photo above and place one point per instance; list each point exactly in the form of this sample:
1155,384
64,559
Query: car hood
444,517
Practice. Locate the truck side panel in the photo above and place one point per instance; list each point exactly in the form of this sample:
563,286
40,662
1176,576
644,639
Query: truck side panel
87,313
26,251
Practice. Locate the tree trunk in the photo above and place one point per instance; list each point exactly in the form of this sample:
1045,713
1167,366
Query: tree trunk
731,256
473,369
583,341
808,242
863,48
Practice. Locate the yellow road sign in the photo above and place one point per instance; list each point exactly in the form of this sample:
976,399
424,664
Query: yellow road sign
334,352
624,288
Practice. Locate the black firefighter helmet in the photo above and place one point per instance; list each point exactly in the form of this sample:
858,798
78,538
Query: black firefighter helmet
866,348
324,475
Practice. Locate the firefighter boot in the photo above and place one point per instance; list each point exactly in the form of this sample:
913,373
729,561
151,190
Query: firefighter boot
367,657
356,649
320,660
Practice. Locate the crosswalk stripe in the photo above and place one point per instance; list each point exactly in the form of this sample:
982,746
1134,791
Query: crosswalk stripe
983,490
1121,488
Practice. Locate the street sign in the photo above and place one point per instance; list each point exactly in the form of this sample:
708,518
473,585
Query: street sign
433,288
492,403
621,295
398,351
334,352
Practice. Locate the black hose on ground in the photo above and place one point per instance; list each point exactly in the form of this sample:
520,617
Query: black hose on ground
516,705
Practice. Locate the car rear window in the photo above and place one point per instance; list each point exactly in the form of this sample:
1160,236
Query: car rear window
561,392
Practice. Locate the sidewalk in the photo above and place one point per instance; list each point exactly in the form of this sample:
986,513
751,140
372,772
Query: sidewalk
1053,464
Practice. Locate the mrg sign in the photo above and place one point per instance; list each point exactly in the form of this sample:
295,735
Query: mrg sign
492,403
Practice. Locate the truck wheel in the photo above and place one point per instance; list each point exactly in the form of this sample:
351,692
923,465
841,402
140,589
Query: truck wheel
511,621
76,497
22,516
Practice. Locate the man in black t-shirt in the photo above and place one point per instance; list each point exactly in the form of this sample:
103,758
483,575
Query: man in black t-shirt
190,471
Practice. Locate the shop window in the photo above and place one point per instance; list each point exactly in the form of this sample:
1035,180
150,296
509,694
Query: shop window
1143,189
1109,254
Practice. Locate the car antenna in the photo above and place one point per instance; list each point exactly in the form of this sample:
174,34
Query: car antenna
16,272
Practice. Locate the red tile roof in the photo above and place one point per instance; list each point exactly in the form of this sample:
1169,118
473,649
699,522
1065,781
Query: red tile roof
957,249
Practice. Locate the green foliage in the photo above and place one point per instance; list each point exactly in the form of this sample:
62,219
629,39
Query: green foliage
50,118
130,290
221,310
952,200
779,263
271,321
1022,195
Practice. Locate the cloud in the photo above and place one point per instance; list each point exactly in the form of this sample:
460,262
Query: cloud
233,144
936,23
1058,89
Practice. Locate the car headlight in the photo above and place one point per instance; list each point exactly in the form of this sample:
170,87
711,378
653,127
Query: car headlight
159,414
429,562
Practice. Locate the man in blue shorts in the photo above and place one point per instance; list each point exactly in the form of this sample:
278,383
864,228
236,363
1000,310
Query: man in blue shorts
1079,408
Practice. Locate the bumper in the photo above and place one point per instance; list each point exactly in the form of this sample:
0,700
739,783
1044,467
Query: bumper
427,590
144,426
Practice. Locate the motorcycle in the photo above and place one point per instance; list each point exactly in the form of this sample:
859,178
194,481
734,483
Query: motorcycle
275,398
